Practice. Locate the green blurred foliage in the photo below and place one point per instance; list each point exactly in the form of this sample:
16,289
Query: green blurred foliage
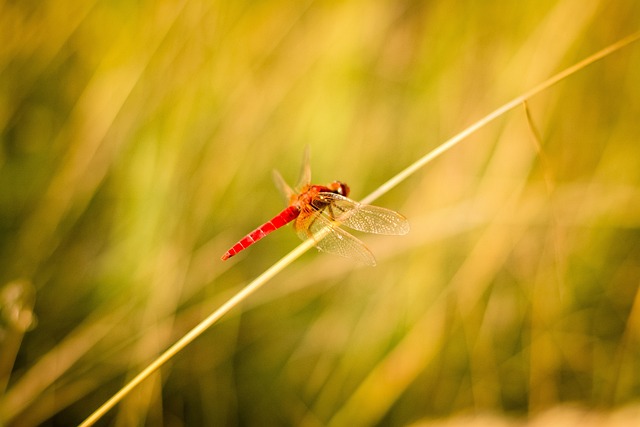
138,141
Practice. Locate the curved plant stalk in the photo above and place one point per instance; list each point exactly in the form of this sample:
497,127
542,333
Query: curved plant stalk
517,101
200,328
308,244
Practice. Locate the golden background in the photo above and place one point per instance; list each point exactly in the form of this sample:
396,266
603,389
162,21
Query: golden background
138,140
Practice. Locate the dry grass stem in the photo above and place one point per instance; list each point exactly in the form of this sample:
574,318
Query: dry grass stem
341,417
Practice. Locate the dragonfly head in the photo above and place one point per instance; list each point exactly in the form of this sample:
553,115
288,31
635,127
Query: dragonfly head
340,188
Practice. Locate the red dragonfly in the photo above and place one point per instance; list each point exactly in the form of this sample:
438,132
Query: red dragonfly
317,207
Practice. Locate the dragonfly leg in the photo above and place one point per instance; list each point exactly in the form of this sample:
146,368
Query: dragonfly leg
332,212
308,230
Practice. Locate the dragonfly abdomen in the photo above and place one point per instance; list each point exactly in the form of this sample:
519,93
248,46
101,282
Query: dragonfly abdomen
278,221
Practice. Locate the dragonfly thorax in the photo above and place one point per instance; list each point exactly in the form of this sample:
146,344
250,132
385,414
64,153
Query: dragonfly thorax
313,195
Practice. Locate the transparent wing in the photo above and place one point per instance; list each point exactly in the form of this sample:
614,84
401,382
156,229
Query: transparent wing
304,179
283,187
337,241
367,218
305,170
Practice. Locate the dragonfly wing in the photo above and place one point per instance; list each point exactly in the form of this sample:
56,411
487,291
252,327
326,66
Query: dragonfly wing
305,177
367,218
282,185
336,241
305,170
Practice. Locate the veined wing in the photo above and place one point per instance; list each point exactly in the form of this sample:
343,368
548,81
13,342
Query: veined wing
367,218
336,241
283,187
305,169
304,178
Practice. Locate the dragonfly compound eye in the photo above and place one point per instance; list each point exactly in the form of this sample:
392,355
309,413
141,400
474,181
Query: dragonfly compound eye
341,188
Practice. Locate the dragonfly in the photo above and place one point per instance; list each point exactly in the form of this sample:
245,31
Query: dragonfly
323,210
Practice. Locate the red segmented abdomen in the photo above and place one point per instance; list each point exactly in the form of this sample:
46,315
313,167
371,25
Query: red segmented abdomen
280,220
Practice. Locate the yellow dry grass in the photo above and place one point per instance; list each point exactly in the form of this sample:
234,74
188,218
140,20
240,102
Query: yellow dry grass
138,142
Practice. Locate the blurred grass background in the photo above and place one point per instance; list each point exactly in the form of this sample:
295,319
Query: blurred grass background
138,140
